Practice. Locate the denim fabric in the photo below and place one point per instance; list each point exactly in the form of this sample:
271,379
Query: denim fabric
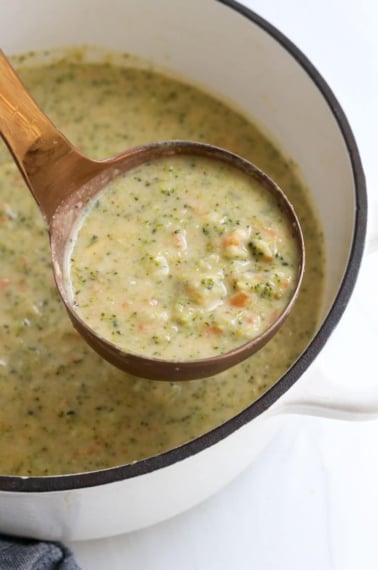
27,554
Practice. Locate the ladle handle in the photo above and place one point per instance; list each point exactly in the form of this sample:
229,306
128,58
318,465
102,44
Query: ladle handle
42,153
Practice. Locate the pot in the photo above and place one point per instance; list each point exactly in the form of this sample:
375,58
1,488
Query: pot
234,52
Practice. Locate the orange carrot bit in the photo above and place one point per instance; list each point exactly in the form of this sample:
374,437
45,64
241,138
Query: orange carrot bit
231,239
144,327
240,299
211,330
4,283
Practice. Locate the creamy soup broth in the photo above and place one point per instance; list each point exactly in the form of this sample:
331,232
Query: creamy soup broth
183,257
64,410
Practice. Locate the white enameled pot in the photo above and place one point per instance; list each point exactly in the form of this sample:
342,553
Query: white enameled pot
230,50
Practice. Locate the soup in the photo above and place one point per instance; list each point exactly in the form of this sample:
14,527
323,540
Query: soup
64,410
182,258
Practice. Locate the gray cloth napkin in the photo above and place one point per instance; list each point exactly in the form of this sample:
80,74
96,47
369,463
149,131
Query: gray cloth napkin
28,554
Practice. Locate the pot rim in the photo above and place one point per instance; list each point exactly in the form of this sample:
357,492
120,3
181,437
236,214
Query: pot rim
24,484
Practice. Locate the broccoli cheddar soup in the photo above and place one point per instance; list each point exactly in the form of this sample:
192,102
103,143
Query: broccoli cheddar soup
183,257
63,409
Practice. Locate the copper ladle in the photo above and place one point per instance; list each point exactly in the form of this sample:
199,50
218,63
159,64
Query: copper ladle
62,180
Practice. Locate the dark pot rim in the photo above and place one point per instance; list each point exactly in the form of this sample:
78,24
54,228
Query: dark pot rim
106,476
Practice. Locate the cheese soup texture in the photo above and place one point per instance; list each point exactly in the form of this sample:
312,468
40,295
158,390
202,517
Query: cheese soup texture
64,409
183,257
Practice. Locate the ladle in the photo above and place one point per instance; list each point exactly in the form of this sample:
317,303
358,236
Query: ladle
62,180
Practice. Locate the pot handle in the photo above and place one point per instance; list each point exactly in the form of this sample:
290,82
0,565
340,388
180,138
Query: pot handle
317,394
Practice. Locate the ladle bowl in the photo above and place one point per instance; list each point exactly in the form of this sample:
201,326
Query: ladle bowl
63,180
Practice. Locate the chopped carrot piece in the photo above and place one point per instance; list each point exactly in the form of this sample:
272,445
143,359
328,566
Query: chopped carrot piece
231,239
144,327
212,329
241,299
4,283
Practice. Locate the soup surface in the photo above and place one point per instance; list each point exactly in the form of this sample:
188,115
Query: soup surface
181,258
64,410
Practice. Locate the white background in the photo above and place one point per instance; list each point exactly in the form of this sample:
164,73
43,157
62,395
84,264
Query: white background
310,502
